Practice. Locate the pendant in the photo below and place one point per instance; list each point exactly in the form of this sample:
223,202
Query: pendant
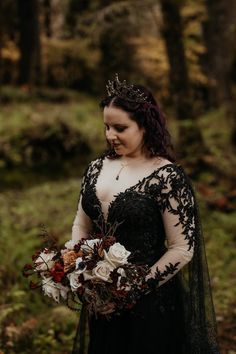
118,174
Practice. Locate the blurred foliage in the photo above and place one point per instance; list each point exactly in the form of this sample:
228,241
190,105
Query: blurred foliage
90,41
40,135
66,63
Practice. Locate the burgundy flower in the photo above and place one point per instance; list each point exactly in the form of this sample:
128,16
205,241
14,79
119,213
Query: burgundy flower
108,242
130,306
57,272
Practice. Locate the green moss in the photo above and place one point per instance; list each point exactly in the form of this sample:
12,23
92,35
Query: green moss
51,327
40,138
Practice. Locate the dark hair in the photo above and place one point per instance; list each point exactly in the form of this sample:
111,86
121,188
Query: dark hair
149,116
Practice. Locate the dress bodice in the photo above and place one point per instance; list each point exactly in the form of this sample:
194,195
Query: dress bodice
148,217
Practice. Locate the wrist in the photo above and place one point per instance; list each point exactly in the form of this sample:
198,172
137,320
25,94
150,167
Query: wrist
151,280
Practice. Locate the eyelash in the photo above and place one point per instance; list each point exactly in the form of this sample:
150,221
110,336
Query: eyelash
119,130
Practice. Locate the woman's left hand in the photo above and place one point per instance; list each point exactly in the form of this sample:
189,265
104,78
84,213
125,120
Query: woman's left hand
150,275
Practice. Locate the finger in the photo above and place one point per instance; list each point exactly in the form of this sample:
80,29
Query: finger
107,312
107,309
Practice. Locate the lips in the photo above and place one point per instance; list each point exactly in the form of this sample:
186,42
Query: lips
116,145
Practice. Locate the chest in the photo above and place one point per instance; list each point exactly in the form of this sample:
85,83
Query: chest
115,178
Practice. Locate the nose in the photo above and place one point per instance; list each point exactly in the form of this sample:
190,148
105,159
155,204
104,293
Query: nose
110,135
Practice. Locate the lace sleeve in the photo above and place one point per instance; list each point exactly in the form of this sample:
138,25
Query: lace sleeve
177,206
82,223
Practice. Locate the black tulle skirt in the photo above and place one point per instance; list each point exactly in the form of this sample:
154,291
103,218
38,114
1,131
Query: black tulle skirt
155,325
149,329
162,322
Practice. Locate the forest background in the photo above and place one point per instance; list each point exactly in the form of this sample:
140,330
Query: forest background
55,59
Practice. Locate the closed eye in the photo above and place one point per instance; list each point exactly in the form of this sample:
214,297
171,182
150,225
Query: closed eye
118,128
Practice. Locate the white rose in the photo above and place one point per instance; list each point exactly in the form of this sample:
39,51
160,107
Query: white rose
51,289
102,271
117,255
44,261
74,280
89,244
88,275
63,290
71,244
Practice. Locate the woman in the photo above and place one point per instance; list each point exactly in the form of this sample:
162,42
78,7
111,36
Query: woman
137,184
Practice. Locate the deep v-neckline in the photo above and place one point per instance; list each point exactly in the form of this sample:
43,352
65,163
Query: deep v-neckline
128,189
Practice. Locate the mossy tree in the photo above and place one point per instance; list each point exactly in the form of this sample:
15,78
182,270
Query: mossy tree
219,31
29,42
117,52
179,83
220,37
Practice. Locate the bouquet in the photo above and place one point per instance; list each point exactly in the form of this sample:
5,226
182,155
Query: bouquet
95,271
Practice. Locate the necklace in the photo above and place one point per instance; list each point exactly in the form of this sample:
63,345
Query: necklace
123,165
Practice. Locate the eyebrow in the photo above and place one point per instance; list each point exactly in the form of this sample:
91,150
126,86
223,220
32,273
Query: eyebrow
116,124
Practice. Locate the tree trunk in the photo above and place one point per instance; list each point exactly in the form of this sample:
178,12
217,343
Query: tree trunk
117,51
189,137
74,10
47,18
178,74
1,45
1,61
220,34
29,42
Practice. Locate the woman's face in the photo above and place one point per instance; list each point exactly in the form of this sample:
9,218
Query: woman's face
123,133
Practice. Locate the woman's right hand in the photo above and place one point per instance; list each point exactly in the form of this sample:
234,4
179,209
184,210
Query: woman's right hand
106,309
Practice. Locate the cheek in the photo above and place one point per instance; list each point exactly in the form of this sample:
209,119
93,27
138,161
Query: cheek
139,134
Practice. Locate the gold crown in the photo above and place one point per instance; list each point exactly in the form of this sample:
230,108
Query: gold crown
125,91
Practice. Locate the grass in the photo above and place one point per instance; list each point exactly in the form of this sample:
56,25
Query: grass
51,327
219,231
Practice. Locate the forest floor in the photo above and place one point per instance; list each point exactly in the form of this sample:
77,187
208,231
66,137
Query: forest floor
30,197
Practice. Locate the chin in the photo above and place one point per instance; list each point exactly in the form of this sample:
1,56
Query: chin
118,150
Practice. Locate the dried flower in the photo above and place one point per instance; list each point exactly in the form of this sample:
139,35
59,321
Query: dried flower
69,260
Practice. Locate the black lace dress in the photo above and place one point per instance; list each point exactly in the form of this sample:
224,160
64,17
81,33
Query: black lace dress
177,316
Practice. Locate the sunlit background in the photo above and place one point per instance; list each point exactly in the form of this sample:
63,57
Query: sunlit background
55,59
